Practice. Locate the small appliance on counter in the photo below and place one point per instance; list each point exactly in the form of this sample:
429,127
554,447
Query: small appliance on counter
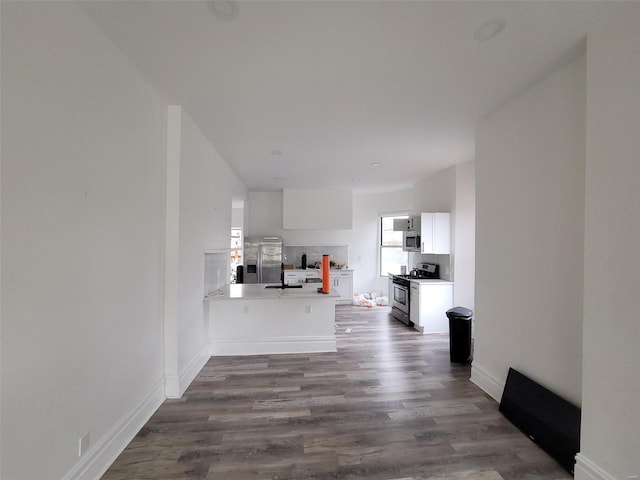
426,271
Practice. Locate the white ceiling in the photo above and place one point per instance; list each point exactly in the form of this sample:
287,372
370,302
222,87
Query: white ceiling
308,94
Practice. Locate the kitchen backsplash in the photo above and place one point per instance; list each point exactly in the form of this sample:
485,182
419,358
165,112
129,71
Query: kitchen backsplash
293,254
444,261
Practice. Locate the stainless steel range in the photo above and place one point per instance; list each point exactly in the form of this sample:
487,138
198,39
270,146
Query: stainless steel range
400,298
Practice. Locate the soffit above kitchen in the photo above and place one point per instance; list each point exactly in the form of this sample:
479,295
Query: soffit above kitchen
365,95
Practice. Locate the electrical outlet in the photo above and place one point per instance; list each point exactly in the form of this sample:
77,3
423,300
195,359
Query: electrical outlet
245,309
83,444
308,309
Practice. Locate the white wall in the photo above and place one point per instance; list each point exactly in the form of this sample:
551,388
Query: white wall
464,236
317,209
529,237
436,193
82,242
237,217
611,371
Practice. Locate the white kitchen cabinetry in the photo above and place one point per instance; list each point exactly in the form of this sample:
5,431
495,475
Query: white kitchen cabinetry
411,224
293,277
435,232
414,303
429,303
341,282
305,275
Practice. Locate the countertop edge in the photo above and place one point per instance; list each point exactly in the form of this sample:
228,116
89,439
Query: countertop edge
257,291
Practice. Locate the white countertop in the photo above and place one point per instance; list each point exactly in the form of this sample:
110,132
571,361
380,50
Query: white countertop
253,291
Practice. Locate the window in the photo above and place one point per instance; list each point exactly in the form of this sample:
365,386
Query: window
391,254
236,252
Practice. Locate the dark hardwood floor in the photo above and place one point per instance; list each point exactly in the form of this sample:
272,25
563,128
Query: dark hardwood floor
387,405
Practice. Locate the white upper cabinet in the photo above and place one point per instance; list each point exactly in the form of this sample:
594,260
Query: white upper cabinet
435,233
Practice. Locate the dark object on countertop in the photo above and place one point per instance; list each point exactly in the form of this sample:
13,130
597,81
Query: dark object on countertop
239,274
546,418
460,334
304,261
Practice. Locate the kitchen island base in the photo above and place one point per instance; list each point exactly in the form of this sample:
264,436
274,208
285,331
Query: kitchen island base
252,320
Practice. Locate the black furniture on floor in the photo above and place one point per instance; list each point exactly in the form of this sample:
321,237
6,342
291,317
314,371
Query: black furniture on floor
548,419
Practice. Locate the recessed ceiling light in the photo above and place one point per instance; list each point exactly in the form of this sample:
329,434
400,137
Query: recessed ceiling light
223,9
376,164
489,29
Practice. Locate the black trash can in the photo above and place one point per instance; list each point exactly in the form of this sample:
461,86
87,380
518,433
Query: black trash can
460,334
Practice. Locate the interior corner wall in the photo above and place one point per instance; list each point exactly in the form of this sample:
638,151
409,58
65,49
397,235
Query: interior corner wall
464,236
530,235
206,184
83,184
610,438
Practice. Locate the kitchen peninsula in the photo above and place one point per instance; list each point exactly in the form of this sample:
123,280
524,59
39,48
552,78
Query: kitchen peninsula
250,319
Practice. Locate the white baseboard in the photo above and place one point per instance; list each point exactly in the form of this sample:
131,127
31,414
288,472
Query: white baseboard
104,452
191,372
587,470
487,382
277,345
175,385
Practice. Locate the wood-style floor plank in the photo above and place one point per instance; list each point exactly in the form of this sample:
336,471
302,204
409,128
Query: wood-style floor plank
387,405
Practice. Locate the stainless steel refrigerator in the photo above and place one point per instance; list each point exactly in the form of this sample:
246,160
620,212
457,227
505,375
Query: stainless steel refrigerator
262,259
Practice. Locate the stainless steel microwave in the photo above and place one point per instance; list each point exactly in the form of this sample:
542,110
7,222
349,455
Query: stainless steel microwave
411,241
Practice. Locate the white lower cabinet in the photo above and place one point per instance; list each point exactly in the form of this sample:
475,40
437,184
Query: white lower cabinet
291,278
429,303
414,303
342,282
294,277
308,275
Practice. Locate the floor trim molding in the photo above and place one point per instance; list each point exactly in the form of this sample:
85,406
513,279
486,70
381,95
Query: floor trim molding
265,346
586,469
191,372
104,452
487,382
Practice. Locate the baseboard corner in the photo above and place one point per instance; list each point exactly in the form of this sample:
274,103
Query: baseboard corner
586,469
487,382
